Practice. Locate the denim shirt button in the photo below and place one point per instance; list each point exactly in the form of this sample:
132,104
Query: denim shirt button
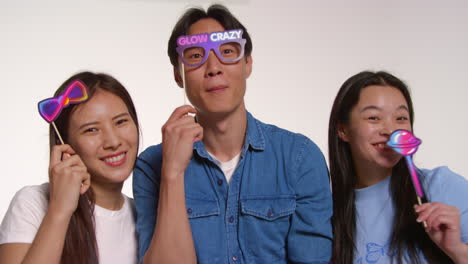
234,258
231,219
220,182
189,210
270,213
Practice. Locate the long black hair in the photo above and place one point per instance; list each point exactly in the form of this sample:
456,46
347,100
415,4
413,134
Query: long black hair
407,237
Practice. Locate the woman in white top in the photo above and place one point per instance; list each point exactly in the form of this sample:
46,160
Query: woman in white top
81,215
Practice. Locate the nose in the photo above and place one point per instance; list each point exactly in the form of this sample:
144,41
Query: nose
213,65
387,128
111,139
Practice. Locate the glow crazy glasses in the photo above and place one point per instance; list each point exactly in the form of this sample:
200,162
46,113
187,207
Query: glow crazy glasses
194,49
50,108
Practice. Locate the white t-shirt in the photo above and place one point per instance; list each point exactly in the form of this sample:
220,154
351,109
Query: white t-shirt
228,167
115,230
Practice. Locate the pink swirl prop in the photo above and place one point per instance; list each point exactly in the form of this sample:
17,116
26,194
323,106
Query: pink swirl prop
406,144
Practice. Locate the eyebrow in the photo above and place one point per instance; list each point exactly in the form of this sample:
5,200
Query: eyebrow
97,122
120,115
370,107
373,107
88,124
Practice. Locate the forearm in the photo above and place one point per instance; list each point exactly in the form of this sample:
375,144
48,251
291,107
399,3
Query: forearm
172,239
461,255
48,244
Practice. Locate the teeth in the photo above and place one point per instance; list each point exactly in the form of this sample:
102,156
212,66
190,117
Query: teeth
381,145
115,158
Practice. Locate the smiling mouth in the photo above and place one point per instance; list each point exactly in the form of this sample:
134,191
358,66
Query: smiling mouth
382,147
116,160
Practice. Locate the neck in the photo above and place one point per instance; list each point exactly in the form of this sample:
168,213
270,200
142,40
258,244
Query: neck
223,136
108,195
368,175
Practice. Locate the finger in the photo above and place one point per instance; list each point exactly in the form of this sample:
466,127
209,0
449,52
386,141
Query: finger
181,111
424,206
180,129
185,120
442,223
437,208
70,163
193,131
198,134
57,153
425,210
443,217
79,169
85,184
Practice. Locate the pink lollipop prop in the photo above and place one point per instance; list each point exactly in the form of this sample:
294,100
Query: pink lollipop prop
406,144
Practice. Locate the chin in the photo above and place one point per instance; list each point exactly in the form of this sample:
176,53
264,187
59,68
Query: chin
388,164
114,177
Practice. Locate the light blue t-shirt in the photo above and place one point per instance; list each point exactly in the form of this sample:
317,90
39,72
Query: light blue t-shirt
375,212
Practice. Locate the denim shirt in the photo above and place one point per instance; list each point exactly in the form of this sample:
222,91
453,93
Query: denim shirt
277,207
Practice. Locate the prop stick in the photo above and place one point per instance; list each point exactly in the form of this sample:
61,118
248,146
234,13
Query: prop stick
406,144
58,133
182,75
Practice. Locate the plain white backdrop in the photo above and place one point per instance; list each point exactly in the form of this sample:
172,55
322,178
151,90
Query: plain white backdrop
303,51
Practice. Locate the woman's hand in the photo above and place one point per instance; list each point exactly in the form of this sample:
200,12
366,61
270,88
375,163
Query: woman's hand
178,135
443,227
69,178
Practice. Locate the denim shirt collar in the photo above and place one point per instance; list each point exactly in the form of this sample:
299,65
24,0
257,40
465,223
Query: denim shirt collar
254,138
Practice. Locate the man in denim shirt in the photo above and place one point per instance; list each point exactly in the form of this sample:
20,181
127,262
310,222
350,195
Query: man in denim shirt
254,193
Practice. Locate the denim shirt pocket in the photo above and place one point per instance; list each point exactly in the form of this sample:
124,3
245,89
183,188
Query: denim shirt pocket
268,208
201,207
204,218
264,226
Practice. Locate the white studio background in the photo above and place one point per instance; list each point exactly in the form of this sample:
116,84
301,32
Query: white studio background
303,51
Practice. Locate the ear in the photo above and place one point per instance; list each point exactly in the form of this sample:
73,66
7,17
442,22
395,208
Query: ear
178,78
343,133
248,66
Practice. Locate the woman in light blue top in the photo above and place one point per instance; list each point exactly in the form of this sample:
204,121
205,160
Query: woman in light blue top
375,217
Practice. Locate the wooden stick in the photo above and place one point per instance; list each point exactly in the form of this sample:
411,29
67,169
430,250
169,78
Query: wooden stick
60,138
420,203
57,132
182,74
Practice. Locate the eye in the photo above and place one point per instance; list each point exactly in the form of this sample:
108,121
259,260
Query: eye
121,121
228,51
402,118
193,54
196,56
373,118
90,130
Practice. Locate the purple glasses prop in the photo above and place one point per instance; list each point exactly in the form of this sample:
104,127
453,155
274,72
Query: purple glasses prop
194,49
406,144
50,108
